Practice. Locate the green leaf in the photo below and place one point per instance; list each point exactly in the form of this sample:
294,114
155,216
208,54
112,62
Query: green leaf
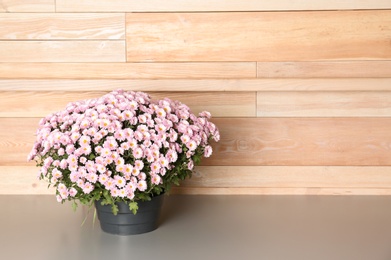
133,206
74,205
114,209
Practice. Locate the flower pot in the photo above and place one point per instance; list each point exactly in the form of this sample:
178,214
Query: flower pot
125,222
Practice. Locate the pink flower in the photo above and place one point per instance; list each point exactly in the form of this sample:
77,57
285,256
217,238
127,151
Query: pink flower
135,171
110,184
142,176
61,152
59,198
72,159
163,161
138,153
84,140
86,150
92,177
131,187
75,136
191,145
161,113
190,165
139,164
208,151
155,167
120,135
74,176
155,179
100,168
88,187
103,178
114,192
128,169
120,168
122,193
119,181
119,161
72,192
106,152
142,185
205,114
63,164
172,156
185,138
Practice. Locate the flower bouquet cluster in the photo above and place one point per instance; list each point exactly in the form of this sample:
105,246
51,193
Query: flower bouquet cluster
120,147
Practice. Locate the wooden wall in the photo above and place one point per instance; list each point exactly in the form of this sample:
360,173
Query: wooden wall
301,90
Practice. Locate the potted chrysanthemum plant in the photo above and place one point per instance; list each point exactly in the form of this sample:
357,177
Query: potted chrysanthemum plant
121,152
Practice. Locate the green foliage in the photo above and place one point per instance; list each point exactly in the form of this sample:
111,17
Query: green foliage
133,206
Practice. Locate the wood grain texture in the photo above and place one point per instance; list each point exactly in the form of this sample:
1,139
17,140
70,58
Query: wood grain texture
45,26
290,177
8,6
275,36
62,51
22,180
280,191
253,180
95,70
16,139
40,104
195,84
258,141
324,104
216,5
303,141
325,69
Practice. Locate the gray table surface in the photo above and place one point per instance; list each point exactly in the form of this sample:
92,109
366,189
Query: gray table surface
206,227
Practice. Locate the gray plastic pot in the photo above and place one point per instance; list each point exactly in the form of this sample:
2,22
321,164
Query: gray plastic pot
125,222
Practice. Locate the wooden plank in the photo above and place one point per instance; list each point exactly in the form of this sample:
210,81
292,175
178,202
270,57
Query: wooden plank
325,69
22,180
258,141
302,141
45,26
202,85
62,51
212,6
40,104
312,72
290,177
200,70
324,104
266,180
17,137
259,36
20,6
280,191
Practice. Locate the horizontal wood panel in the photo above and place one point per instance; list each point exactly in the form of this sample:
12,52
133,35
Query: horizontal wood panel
258,141
324,104
7,6
199,70
325,69
40,104
216,5
62,51
280,191
45,26
259,36
275,85
303,141
253,180
22,180
300,78
291,177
